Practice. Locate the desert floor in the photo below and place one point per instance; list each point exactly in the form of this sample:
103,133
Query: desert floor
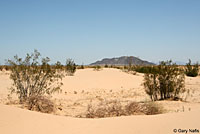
90,87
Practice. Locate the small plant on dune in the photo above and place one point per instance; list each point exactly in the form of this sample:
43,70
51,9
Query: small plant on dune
33,78
82,66
165,81
1,68
106,66
192,70
70,67
97,68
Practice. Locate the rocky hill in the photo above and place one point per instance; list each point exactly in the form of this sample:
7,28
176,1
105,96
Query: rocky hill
124,60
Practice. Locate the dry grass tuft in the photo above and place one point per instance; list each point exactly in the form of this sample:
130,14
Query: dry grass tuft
40,104
104,109
114,108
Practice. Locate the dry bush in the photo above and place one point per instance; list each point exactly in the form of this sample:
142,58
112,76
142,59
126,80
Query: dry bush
40,103
114,108
134,108
153,108
104,109
80,67
97,68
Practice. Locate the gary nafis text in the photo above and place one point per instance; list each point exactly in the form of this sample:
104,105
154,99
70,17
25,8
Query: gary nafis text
186,131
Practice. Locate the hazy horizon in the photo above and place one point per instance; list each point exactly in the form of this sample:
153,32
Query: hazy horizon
89,30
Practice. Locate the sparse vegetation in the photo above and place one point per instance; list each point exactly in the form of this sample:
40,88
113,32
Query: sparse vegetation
33,78
70,67
114,108
106,66
165,81
97,68
143,69
1,68
40,103
82,67
192,70
5,67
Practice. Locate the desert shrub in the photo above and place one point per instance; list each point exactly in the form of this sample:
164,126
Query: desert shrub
70,67
58,66
111,108
135,108
144,69
106,66
97,68
153,109
40,103
117,67
7,68
114,108
165,81
82,67
125,67
192,70
32,77
1,68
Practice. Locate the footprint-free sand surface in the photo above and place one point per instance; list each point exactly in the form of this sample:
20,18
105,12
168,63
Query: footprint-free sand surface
89,86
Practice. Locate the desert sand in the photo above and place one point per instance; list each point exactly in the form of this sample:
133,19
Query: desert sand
89,86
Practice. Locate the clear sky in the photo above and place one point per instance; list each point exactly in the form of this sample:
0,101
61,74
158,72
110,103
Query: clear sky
89,30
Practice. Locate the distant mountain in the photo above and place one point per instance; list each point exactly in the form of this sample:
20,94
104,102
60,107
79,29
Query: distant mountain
124,60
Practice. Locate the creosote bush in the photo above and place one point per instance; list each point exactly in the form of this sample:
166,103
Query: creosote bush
114,108
192,70
34,77
165,81
70,67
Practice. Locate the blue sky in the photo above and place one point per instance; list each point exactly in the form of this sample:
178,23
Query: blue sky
89,30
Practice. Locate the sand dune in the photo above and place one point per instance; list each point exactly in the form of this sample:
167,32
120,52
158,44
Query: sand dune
18,121
91,86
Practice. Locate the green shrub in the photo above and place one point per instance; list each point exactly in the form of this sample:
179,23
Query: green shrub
192,70
70,67
33,78
165,81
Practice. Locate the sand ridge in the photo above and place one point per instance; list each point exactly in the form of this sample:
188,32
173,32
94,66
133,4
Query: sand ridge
88,86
